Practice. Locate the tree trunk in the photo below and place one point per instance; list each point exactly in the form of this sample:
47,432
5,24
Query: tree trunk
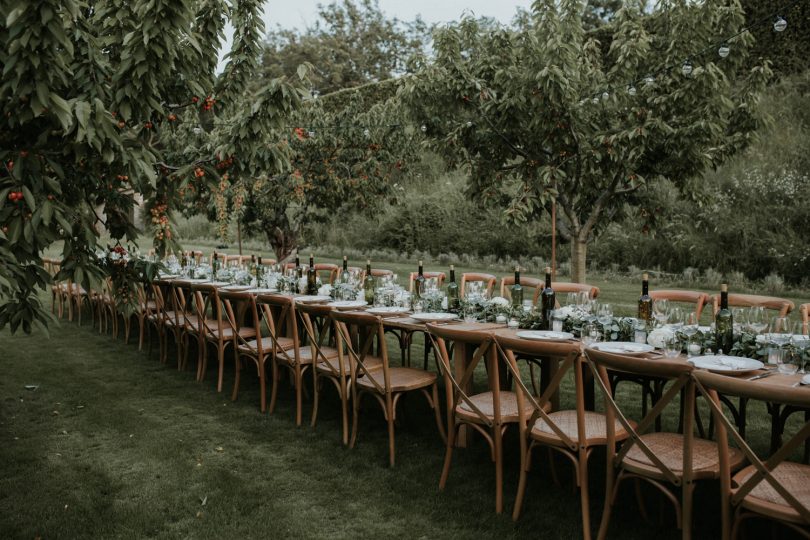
579,250
284,243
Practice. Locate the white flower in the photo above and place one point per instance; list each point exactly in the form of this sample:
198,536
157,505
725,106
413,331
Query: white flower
500,301
658,337
325,290
302,284
444,303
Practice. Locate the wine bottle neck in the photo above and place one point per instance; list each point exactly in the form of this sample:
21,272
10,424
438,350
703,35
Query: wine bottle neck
645,288
517,277
724,300
452,276
548,281
421,272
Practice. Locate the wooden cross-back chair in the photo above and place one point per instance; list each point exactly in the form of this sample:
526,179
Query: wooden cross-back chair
781,306
251,345
531,287
287,350
773,488
237,260
328,272
489,412
488,281
329,364
375,272
166,321
697,298
386,384
187,321
663,460
219,330
574,433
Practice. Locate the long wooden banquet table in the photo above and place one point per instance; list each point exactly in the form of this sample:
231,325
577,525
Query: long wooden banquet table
464,351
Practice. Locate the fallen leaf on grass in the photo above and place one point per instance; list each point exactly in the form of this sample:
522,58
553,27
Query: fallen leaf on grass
31,386
203,500
55,413
220,449
199,514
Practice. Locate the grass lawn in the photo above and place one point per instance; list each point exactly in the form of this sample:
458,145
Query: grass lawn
113,444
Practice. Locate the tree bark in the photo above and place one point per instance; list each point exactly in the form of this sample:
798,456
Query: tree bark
284,243
579,252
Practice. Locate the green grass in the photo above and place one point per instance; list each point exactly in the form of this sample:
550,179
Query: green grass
113,444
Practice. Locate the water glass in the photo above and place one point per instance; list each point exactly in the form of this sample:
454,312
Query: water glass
590,334
470,314
672,347
557,320
755,319
785,363
661,311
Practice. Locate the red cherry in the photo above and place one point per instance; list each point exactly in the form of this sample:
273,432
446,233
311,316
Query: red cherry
148,125
50,197
172,117
122,124
23,153
12,196
195,99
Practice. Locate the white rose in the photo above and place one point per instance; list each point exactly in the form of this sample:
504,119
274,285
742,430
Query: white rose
499,301
444,303
658,337
325,290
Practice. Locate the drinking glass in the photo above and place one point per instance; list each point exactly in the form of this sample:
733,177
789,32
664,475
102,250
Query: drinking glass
781,330
672,347
557,320
469,311
584,301
676,315
573,299
661,311
755,319
590,334
690,324
785,363
604,314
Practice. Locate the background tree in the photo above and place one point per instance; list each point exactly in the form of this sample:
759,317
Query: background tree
92,101
352,43
541,113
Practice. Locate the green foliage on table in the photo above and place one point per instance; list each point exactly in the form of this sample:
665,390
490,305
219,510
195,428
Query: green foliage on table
524,109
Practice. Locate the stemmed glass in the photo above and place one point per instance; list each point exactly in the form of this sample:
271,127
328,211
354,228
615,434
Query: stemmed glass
755,319
604,314
584,301
590,334
661,311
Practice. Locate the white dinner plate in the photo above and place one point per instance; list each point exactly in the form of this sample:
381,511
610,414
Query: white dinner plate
312,298
434,317
168,276
805,380
236,287
387,310
347,304
762,338
737,365
544,335
623,347
261,291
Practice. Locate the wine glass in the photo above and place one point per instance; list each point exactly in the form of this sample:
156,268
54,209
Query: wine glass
590,334
584,301
690,324
661,311
676,316
572,299
755,318
604,314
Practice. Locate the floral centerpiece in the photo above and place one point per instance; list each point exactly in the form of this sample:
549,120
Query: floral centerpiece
127,272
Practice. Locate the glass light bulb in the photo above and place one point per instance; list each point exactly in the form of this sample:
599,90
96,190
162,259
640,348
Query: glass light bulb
595,100
631,90
311,134
780,24
687,68
366,132
605,95
469,124
723,50
423,128
649,79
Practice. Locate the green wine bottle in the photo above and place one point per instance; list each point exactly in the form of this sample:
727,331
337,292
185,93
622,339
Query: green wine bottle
214,267
517,291
259,271
724,323
548,302
344,275
368,285
453,303
312,276
645,303
419,284
298,273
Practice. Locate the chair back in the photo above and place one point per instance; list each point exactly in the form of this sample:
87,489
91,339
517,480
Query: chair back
238,260
281,317
438,276
315,319
699,299
805,312
531,287
564,287
231,301
781,305
568,355
206,296
368,328
328,271
183,304
680,373
770,391
468,277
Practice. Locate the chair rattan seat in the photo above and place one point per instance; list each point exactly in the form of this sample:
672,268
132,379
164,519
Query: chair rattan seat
764,499
509,407
566,421
402,379
371,362
227,332
252,346
668,447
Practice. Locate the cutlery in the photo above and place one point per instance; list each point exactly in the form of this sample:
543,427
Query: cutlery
760,376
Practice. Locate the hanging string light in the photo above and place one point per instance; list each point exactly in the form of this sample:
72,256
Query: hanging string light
423,128
724,50
366,132
686,68
631,90
779,24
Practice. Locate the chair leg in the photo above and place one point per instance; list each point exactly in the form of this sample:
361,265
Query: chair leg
344,409
686,516
448,456
236,377
221,363
141,323
434,402
497,437
524,471
274,388
356,420
390,417
584,498
262,386
299,400
316,398
611,489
